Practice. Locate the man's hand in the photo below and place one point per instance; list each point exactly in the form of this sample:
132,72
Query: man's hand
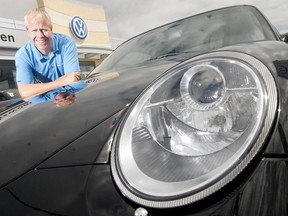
64,99
68,78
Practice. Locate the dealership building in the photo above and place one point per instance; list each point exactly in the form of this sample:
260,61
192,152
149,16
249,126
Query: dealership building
86,24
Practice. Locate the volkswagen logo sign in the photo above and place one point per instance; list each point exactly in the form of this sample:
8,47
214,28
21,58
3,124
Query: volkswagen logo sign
79,28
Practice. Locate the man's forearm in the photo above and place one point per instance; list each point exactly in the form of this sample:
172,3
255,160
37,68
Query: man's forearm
27,91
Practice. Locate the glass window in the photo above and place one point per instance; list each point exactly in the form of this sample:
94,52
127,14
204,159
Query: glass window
86,66
7,75
8,89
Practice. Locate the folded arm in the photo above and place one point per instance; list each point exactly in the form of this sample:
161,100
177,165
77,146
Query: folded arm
27,91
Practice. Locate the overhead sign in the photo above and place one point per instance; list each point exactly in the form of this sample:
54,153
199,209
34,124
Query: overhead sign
79,28
12,38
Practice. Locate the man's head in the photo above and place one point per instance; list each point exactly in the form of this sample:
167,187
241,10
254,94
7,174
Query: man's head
39,28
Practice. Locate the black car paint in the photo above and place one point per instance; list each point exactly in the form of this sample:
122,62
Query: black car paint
33,143
264,181
54,173
48,185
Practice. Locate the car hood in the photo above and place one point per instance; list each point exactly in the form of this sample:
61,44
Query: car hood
31,134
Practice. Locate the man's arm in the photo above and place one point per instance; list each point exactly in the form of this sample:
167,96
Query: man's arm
27,91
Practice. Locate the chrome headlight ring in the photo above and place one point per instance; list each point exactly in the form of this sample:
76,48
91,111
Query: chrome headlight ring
194,129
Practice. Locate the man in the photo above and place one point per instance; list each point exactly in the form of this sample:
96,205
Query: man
48,62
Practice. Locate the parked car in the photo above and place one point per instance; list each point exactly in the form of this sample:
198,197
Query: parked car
190,119
8,89
8,98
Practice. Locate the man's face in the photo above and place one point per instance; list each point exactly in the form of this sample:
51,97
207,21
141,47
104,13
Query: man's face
40,33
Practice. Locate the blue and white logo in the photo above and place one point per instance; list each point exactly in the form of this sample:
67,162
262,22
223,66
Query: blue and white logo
79,28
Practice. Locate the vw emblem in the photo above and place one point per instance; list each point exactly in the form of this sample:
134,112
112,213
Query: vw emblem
79,28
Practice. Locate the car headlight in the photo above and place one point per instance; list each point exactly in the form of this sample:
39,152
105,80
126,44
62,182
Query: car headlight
194,129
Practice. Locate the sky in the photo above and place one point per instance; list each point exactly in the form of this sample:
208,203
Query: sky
127,18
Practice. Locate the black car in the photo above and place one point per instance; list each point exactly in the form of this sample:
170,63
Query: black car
187,119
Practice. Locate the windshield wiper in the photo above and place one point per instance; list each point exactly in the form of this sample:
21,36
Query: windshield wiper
167,55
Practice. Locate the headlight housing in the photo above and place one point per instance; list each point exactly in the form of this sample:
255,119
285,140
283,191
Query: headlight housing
194,129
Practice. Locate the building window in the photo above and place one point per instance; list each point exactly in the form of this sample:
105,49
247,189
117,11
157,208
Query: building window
7,75
86,66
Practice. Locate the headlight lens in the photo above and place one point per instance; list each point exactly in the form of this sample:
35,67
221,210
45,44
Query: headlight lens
194,130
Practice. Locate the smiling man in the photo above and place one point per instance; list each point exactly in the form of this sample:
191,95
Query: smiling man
48,61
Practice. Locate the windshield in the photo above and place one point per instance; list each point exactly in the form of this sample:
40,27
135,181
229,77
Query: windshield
199,33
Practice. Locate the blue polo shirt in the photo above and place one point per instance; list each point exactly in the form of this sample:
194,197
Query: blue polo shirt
33,67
